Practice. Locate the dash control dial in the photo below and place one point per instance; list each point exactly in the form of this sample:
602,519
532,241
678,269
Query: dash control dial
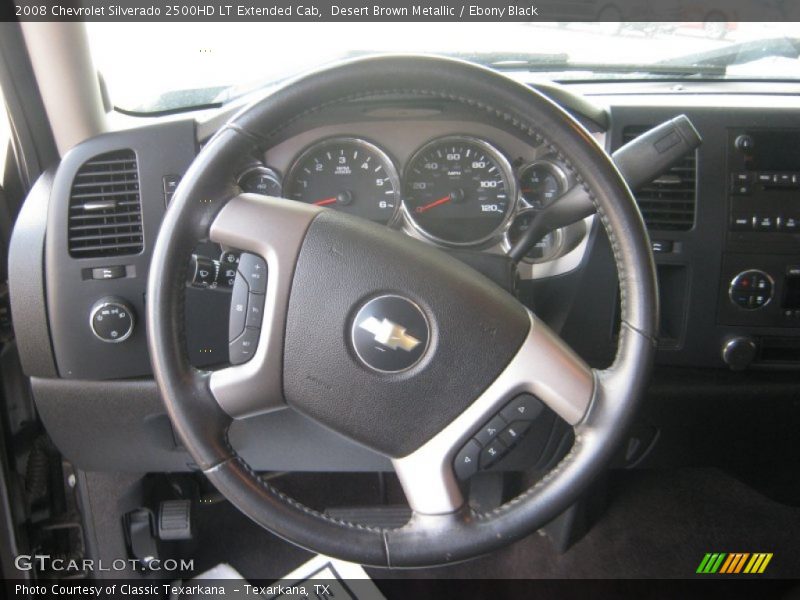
751,289
112,320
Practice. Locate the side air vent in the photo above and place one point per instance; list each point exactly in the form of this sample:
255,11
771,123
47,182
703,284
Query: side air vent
668,203
105,212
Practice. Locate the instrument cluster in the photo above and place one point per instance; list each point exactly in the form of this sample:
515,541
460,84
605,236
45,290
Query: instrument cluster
454,191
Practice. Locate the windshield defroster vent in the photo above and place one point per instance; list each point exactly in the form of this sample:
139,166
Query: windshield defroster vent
668,203
105,211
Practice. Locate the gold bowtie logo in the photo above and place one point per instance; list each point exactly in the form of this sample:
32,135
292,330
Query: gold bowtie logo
389,334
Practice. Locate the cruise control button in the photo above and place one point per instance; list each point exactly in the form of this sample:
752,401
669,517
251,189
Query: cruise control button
255,310
466,461
492,452
243,348
514,432
489,431
254,270
522,408
238,313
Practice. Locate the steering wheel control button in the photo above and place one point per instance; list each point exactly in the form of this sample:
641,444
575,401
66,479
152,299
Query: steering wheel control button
239,309
522,408
254,269
255,310
514,432
751,289
492,452
491,430
242,348
465,464
390,334
112,320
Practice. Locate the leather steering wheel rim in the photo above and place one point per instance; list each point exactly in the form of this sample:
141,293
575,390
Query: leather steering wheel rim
209,186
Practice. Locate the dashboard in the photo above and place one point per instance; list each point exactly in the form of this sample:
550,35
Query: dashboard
432,181
723,228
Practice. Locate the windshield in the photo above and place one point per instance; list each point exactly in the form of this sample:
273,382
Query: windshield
169,66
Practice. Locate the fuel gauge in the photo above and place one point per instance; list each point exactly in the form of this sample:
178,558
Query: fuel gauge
541,182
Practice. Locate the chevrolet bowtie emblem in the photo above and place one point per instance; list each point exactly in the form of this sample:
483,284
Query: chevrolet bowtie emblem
389,334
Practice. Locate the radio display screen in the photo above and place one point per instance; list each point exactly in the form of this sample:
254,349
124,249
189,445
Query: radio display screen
774,151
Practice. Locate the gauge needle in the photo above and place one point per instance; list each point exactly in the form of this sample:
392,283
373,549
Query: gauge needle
435,203
325,202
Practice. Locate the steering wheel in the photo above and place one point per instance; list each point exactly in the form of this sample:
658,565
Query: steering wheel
469,348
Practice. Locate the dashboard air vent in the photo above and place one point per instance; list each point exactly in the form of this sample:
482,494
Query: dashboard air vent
105,212
667,203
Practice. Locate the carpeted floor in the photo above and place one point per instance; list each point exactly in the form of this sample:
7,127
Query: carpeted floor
659,524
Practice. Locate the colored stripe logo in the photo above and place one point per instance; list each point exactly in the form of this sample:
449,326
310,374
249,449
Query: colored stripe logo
734,563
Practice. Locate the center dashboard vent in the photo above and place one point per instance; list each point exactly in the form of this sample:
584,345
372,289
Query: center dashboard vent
105,211
668,202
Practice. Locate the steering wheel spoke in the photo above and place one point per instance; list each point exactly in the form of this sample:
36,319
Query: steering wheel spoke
272,229
544,370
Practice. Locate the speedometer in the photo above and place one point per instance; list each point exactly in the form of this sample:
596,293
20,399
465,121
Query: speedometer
459,191
348,174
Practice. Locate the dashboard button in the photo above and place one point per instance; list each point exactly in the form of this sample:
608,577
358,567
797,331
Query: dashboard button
765,223
662,246
522,408
744,143
789,224
765,178
112,320
254,270
742,177
742,223
742,189
490,431
243,348
751,289
238,312
114,272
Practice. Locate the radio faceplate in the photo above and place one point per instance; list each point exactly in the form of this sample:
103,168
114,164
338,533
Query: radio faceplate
763,190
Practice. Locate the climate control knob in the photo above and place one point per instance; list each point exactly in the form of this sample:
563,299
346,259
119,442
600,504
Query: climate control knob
112,320
751,289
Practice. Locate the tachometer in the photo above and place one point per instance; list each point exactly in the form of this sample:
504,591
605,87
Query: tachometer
348,174
459,191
